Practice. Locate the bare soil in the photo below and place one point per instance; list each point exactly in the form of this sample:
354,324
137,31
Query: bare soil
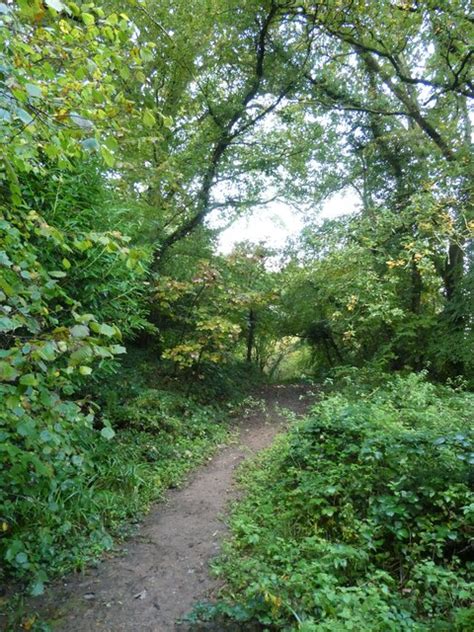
163,571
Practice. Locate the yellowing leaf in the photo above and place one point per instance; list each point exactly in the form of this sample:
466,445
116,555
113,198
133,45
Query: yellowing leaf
107,155
88,19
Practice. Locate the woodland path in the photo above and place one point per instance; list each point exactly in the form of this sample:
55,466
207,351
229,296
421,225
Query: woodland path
164,569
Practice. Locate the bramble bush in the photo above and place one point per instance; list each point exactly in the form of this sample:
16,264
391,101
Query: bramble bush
361,517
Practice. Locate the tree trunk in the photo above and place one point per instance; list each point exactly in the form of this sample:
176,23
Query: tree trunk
252,323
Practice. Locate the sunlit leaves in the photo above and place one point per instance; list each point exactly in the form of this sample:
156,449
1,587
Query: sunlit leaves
62,83
149,119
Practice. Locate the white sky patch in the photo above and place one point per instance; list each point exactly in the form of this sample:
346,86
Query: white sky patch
273,224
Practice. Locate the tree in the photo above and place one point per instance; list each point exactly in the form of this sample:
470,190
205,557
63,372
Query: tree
211,82
397,80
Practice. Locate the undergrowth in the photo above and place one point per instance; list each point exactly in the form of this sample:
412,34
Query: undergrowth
103,488
360,518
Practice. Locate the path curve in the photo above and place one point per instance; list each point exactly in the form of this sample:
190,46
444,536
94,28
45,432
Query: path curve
165,568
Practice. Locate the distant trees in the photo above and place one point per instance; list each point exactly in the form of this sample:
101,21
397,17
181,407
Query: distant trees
397,81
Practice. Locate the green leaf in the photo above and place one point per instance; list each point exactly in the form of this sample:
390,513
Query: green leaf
29,379
33,90
5,115
81,121
88,19
7,372
107,432
57,5
112,19
167,121
26,428
48,352
107,155
24,116
146,54
83,244
90,144
118,349
21,558
148,118
5,259
107,330
37,588
81,355
8,324
85,370
80,331
111,143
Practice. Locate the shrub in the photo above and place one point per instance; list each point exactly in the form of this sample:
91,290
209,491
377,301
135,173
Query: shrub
96,490
361,518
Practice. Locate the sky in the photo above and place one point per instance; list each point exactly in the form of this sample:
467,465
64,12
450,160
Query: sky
276,222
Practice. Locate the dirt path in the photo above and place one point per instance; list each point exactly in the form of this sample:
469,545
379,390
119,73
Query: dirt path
165,568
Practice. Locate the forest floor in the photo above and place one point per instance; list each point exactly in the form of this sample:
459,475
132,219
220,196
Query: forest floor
163,571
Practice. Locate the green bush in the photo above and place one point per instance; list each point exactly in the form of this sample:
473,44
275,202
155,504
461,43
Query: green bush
48,348
94,494
52,348
361,518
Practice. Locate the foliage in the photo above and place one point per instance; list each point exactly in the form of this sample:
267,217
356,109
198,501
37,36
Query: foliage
108,482
219,307
209,87
50,344
108,267
120,136
354,300
60,93
361,518
49,347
